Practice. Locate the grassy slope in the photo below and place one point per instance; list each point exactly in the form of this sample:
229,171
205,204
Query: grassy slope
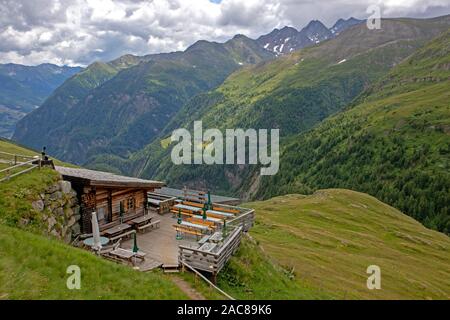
34,267
17,194
332,236
392,143
253,274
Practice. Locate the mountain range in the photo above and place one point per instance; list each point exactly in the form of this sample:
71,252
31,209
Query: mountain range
330,96
24,88
140,87
118,107
289,39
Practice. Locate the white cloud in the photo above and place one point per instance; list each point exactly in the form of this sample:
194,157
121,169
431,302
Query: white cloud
81,31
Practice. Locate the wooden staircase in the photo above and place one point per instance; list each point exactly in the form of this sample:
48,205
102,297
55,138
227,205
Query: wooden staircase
171,268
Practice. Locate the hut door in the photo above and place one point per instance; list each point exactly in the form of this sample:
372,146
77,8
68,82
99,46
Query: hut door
109,212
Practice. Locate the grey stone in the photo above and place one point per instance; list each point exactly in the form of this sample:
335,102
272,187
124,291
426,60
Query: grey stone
68,237
72,201
55,233
38,205
56,195
53,188
64,230
76,229
51,222
68,212
71,221
76,210
65,186
59,211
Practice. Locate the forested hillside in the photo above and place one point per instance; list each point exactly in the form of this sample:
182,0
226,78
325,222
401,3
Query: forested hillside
292,93
24,88
393,142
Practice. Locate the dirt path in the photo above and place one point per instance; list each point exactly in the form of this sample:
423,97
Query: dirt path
187,289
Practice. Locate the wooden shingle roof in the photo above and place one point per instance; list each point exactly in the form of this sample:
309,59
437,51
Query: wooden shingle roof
105,179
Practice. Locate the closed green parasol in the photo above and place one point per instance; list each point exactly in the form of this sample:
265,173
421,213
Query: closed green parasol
209,201
224,230
204,213
135,247
179,216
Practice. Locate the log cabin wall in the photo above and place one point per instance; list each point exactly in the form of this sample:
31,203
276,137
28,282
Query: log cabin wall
106,202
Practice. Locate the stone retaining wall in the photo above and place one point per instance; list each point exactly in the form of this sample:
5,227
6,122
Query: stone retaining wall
60,211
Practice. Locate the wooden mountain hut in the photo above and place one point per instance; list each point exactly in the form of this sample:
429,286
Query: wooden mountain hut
115,198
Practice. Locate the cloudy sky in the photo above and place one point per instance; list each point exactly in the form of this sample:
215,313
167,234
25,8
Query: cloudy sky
78,32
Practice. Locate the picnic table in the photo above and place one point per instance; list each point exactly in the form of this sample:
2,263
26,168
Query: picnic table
139,221
114,231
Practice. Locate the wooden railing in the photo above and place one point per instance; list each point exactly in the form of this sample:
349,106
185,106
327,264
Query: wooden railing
244,220
184,264
16,157
28,166
20,164
208,261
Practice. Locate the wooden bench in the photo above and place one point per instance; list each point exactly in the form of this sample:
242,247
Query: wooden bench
209,224
204,239
154,224
215,207
233,211
126,254
183,213
188,230
122,235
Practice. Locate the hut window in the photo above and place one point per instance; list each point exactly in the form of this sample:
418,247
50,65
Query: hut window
101,214
130,203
